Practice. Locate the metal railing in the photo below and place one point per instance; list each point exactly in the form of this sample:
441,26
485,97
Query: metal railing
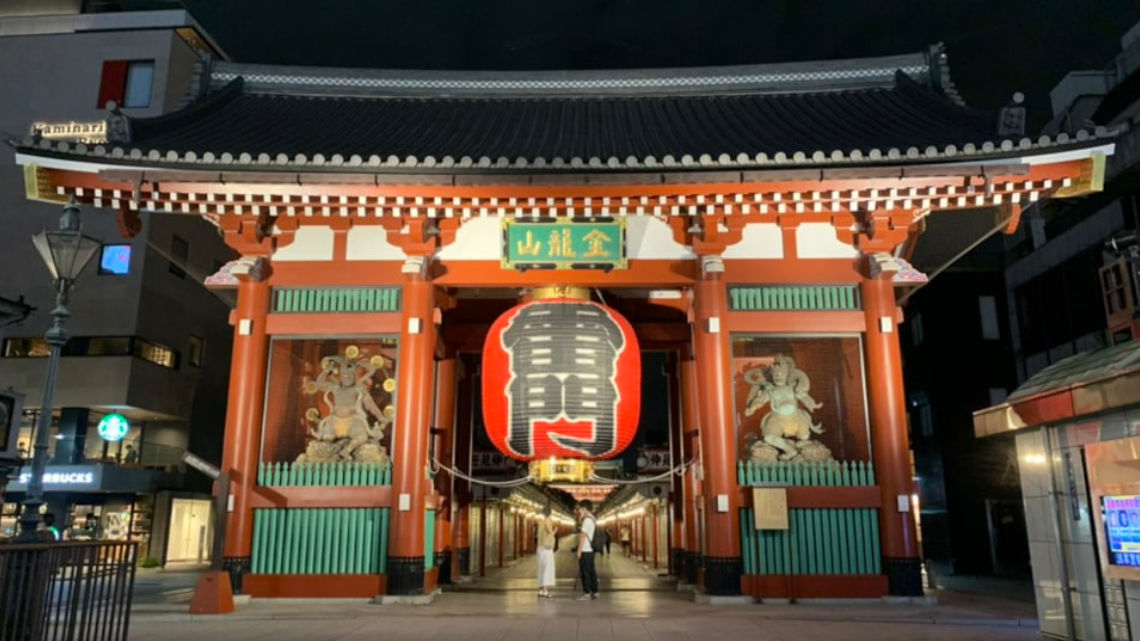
66,591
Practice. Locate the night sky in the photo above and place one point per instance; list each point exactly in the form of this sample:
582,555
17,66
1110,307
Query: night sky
995,46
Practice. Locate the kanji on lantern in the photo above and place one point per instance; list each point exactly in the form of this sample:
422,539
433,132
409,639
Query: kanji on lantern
561,378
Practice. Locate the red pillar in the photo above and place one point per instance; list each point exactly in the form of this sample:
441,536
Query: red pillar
502,535
723,566
243,420
675,506
461,531
644,546
444,444
692,486
889,441
483,538
656,532
410,485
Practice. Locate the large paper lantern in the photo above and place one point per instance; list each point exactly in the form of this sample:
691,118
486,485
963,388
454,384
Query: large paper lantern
561,378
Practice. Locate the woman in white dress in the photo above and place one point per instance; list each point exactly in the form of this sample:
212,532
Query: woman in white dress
546,538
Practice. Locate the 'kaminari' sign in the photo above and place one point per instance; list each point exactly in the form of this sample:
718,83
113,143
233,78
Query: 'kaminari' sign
564,243
94,131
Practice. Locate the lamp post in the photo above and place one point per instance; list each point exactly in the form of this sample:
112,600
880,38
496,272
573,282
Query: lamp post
66,252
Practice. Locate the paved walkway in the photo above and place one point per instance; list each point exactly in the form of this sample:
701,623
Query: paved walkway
636,605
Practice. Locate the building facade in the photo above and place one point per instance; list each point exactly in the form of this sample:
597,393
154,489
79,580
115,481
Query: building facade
148,341
1075,414
755,223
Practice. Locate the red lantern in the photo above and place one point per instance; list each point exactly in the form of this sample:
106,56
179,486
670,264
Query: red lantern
561,378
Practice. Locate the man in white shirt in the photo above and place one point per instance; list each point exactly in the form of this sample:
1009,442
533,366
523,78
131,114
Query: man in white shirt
586,550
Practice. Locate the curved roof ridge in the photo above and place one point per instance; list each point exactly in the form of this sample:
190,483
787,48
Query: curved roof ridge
784,77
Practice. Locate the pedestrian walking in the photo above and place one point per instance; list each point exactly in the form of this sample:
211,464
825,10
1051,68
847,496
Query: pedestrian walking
547,537
586,542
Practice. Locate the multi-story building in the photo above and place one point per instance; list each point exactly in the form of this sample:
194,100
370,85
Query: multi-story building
149,342
1016,304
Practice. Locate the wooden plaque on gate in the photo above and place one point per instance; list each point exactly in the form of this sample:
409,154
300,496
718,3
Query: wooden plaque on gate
770,508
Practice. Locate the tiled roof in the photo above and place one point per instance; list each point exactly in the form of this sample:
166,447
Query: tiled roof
1080,369
584,128
891,110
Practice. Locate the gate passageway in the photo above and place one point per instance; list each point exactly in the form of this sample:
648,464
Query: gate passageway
616,573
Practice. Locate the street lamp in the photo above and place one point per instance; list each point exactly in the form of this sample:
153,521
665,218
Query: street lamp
66,252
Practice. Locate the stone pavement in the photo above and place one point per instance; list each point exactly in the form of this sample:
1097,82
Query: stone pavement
636,604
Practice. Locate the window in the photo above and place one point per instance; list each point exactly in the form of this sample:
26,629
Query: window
127,83
916,330
115,260
194,354
156,354
140,77
94,346
987,309
179,255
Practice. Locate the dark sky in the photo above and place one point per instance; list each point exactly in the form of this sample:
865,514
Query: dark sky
995,46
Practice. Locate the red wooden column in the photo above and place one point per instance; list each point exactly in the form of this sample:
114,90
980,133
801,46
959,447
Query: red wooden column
675,507
410,485
889,441
502,534
656,532
641,522
444,425
691,562
483,538
243,420
712,349
461,497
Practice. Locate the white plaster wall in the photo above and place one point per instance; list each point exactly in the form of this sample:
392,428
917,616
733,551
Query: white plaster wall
650,238
476,239
758,240
311,242
370,242
818,240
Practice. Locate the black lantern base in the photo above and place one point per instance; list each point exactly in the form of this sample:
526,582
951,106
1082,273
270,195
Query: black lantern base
722,575
443,564
405,575
238,567
464,561
904,576
692,568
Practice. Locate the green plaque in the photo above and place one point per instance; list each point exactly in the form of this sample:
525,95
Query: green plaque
564,243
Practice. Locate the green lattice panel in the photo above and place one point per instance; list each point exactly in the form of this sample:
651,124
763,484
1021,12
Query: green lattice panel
817,541
320,541
340,474
797,473
781,298
341,300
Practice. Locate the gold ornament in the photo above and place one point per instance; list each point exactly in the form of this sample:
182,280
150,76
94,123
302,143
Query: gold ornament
389,385
377,360
389,411
310,387
313,414
352,351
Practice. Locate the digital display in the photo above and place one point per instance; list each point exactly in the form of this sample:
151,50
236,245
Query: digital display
1122,529
115,260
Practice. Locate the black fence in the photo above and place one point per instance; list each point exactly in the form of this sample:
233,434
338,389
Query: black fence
67,591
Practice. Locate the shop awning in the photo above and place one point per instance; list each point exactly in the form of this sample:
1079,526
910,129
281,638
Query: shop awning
1080,385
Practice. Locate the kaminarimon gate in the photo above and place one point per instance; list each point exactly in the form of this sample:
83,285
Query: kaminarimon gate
447,276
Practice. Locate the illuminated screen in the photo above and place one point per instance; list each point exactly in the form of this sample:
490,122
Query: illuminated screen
1122,529
116,260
